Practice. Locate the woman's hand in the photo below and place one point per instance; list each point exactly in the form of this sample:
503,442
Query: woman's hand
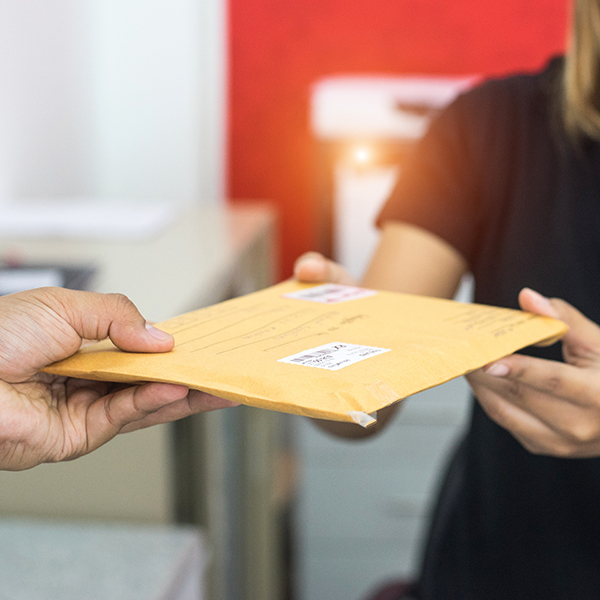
46,418
552,408
313,267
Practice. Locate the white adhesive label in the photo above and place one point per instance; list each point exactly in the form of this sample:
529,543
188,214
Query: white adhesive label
333,356
331,293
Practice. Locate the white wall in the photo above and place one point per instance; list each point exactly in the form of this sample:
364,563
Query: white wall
45,124
119,98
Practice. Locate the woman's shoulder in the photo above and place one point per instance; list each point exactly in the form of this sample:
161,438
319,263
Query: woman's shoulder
521,91
501,108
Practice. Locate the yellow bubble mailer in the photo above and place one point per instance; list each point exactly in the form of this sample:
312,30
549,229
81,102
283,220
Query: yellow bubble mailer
327,351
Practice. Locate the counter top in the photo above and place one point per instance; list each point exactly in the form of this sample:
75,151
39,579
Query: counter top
80,561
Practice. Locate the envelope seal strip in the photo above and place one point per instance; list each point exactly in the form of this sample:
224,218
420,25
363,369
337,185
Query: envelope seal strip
361,418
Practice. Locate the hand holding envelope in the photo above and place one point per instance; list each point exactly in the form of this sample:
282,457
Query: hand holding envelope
328,351
551,407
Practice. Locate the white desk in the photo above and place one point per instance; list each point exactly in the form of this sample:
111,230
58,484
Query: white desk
207,255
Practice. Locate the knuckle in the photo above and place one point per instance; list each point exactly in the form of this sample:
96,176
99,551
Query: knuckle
513,390
554,384
559,449
120,303
518,369
584,432
534,447
560,305
570,452
108,411
119,299
564,450
136,403
495,410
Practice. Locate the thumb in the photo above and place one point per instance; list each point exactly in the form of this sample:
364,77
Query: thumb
45,325
313,267
581,343
98,316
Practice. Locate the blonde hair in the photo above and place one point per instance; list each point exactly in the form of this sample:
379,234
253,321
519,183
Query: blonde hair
581,78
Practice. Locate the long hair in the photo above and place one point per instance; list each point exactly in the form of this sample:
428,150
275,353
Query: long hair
581,79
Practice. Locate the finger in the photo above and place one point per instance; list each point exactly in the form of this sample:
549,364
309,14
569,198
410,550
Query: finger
108,415
530,431
313,267
562,398
559,380
97,316
581,343
195,402
534,302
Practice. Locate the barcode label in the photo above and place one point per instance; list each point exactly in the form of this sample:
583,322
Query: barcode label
333,356
331,293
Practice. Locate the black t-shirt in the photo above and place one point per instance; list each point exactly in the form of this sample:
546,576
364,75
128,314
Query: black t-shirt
498,179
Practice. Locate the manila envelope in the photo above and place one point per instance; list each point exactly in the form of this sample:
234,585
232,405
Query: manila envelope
327,351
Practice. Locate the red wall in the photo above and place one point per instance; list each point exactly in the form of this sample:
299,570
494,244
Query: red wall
279,47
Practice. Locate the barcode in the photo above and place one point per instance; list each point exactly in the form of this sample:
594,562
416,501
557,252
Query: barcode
316,354
331,293
322,291
333,356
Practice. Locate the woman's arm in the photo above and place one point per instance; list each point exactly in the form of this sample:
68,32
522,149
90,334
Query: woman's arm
412,260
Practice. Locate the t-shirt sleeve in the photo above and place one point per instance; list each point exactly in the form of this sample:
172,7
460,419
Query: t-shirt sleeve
439,188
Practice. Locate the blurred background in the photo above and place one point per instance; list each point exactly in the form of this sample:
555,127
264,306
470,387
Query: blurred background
186,152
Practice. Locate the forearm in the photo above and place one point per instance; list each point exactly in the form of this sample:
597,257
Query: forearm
414,261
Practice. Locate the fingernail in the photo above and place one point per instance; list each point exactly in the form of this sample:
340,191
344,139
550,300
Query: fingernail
158,334
496,369
309,262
